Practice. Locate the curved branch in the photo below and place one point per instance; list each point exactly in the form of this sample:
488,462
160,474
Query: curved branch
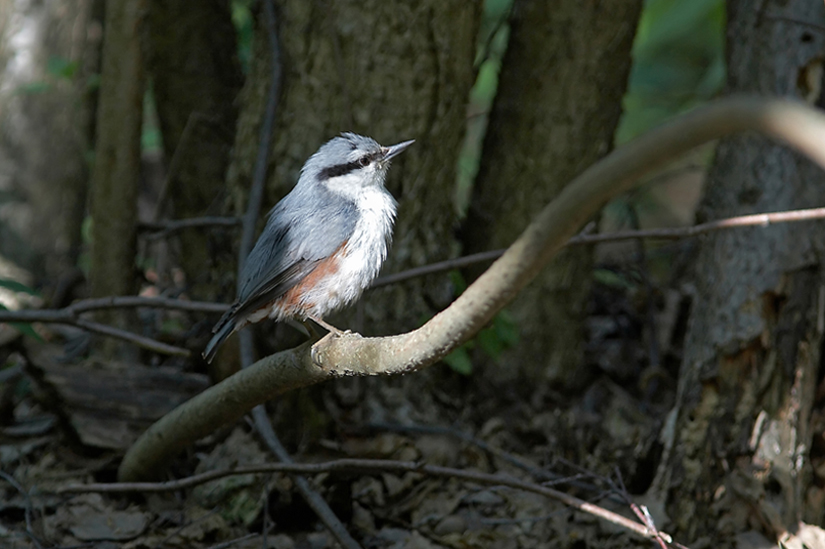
800,126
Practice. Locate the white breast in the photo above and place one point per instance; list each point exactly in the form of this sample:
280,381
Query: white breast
362,256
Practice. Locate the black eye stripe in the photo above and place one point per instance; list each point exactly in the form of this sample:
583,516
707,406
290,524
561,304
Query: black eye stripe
343,169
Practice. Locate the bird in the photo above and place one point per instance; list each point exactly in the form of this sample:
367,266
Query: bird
323,243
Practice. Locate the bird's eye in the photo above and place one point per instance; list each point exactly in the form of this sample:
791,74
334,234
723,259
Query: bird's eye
364,161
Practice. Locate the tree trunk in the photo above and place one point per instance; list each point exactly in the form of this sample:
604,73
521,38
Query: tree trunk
196,77
49,50
116,171
557,107
745,446
390,70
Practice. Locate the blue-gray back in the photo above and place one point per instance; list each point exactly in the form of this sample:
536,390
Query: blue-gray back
305,227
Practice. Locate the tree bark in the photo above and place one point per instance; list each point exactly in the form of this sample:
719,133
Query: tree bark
49,50
116,171
390,70
557,107
196,77
745,445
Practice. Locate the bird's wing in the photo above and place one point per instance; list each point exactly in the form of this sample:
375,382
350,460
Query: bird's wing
294,242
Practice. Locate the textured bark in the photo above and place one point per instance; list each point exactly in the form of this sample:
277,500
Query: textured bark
45,116
390,70
191,59
117,155
558,103
741,454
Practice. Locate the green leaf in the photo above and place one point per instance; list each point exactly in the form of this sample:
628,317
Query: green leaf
62,67
499,336
92,82
490,343
459,361
506,329
15,286
33,88
611,279
458,282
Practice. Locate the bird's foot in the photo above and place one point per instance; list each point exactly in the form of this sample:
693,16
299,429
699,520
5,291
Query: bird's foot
328,327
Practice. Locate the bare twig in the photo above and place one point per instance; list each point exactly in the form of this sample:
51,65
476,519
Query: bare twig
256,192
313,498
161,229
432,268
755,220
149,302
141,341
370,466
67,316
71,316
516,461
172,171
666,233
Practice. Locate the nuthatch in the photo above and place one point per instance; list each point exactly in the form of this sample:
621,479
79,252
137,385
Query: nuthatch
324,242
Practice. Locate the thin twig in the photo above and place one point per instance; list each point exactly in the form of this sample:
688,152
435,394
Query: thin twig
313,498
161,229
66,316
119,302
172,171
71,316
256,192
548,478
432,268
373,466
141,341
667,233
754,220
516,461
70,313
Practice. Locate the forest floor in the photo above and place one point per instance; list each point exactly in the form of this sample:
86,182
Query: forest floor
67,422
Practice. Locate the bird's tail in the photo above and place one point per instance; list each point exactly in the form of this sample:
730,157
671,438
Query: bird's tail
222,330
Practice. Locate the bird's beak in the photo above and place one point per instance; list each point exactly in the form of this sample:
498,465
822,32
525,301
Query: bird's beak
395,150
